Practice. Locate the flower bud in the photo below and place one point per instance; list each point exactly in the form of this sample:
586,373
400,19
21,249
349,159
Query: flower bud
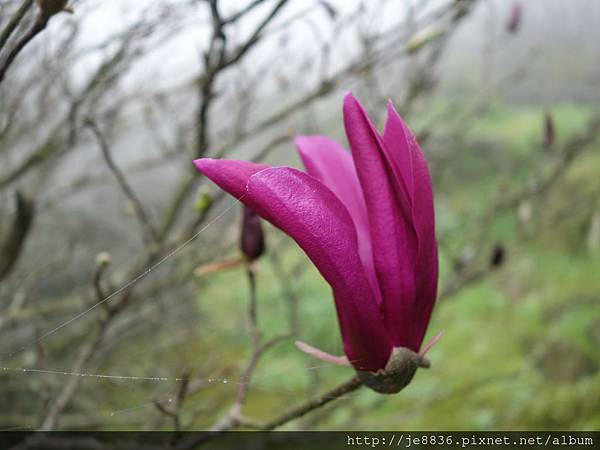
514,22
252,241
204,200
424,37
498,256
51,7
103,259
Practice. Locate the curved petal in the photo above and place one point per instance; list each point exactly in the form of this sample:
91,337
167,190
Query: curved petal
332,165
317,220
392,233
230,175
410,164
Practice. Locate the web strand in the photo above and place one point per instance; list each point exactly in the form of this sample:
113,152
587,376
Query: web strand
127,285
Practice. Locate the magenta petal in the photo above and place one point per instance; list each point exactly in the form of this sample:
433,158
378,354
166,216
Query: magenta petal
397,149
318,221
311,214
332,165
230,175
392,234
403,150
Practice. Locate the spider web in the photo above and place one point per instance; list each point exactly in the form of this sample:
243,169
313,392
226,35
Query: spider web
261,382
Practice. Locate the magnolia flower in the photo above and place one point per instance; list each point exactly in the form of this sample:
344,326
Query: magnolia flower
366,221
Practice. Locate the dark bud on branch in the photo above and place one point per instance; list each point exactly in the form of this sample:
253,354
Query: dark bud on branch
498,256
549,133
398,373
252,242
516,15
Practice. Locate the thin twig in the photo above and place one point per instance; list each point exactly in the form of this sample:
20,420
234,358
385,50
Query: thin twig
235,17
37,27
234,417
142,216
216,61
14,22
13,242
252,307
295,413
66,394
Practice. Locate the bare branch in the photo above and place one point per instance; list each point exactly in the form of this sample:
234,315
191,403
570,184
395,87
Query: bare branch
241,13
13,243
345,388
37,27
66,394
138,207
14,22
255,37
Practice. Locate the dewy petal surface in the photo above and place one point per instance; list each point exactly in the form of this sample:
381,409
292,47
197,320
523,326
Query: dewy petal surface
332,165
399,143
392,235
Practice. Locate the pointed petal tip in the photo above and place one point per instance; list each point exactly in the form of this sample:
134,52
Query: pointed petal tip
392,112
390,107
354,112
202,163
314,147
229,174
350,100
302,143
301,139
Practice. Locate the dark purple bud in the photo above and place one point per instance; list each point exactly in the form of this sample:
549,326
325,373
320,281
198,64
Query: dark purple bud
516,14
549,133
252,241
498,256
